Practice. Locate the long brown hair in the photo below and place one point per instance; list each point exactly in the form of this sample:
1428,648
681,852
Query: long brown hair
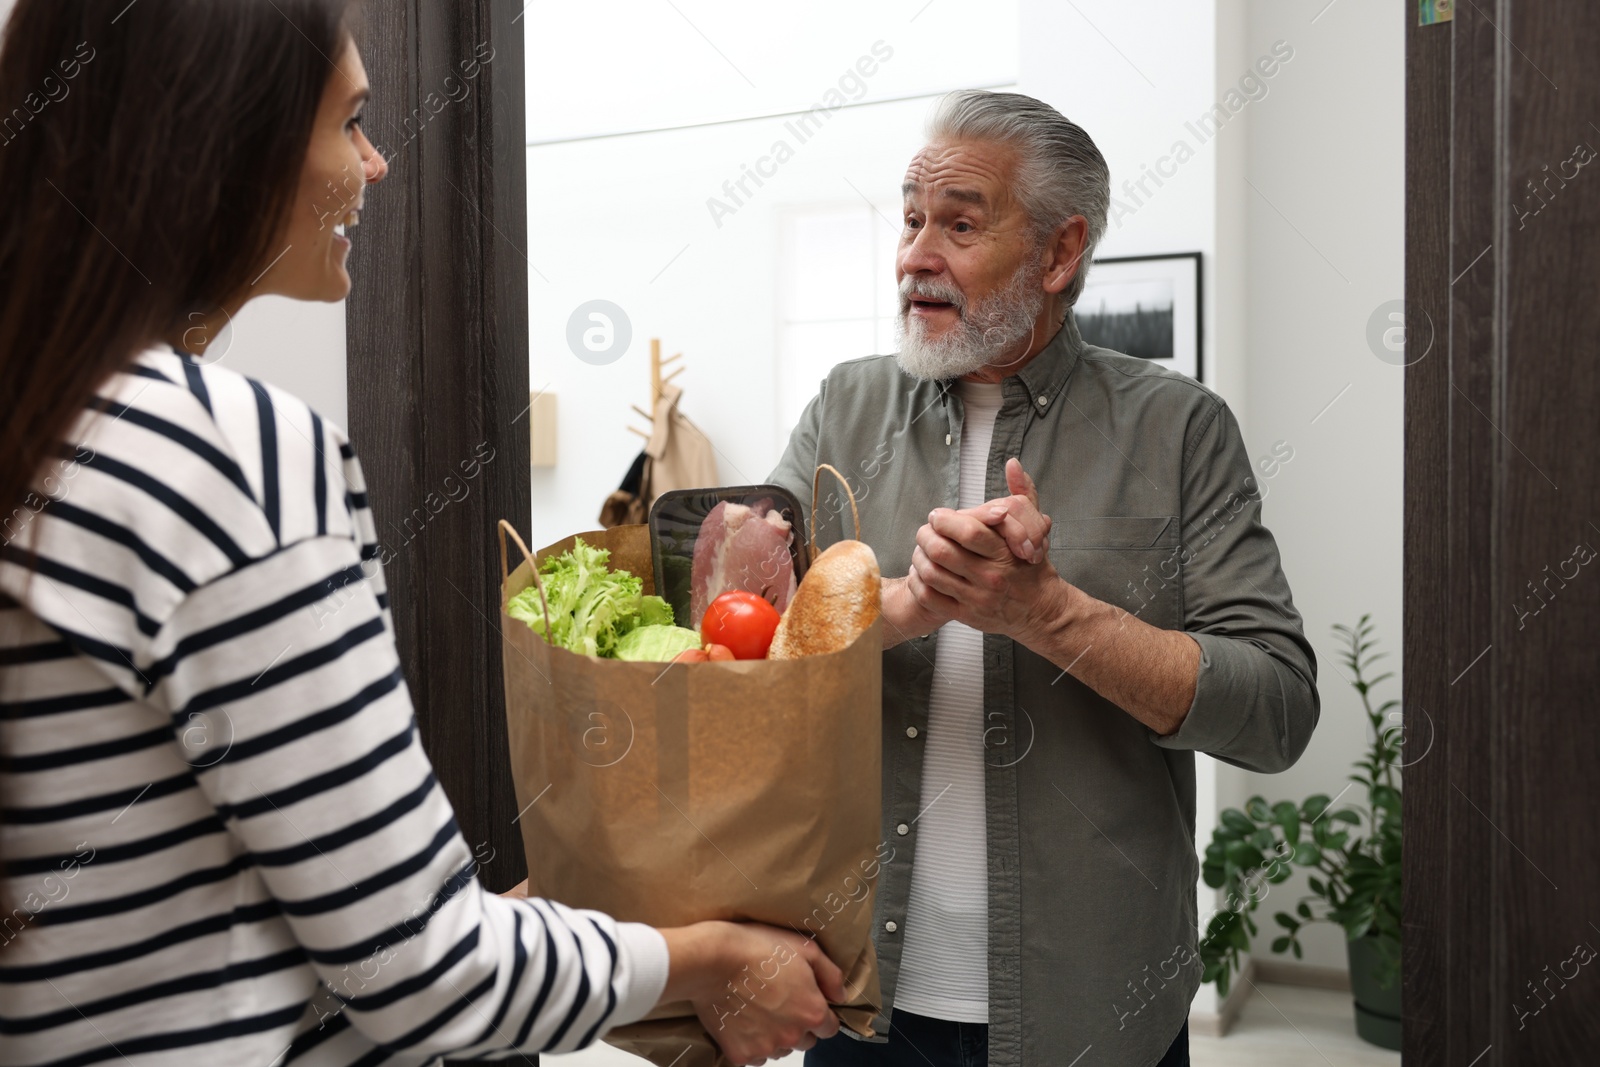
149,155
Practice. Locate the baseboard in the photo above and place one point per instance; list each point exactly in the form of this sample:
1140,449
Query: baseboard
1218,1023
1282,972
1277,972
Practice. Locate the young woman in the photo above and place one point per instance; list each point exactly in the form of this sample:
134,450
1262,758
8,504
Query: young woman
221,840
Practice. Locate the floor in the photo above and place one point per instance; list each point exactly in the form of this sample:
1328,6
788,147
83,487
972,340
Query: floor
1279,1025
1283,1024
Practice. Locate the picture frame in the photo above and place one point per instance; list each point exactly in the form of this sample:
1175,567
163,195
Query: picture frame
1145,306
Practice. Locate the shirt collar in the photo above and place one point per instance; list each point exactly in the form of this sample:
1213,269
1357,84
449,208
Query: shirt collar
1045,376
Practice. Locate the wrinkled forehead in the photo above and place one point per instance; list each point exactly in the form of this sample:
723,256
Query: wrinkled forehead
976,173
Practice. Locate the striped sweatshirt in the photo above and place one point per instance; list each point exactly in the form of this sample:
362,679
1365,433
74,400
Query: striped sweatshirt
221,839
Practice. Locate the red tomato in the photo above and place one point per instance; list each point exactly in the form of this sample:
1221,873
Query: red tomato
743,622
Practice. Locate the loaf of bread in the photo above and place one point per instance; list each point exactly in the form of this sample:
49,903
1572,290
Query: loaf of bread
841,597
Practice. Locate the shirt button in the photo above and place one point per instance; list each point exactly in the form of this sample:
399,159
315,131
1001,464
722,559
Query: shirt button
891,926
1044,401
902,829
911,731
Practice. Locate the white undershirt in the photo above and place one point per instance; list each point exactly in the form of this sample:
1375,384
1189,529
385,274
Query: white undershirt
944,966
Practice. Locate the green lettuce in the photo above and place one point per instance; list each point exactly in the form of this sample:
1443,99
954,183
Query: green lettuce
592,608
657,644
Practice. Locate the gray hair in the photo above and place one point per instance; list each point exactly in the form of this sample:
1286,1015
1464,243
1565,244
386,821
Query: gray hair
1060,172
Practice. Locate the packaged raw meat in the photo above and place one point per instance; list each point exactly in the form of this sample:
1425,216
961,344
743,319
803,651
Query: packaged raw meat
706,542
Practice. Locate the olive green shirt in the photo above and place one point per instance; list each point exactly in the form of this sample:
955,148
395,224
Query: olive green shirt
1090,814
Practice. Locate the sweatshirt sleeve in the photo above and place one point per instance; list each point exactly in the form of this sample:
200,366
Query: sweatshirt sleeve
1255,702
286,695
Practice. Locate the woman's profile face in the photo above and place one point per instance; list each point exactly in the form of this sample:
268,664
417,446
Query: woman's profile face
340,164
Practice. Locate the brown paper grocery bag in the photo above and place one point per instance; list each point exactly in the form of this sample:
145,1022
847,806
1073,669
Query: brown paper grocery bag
672,793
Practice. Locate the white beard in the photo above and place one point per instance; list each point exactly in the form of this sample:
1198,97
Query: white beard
981,337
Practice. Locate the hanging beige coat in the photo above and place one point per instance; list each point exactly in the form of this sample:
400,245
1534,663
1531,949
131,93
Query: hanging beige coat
679,455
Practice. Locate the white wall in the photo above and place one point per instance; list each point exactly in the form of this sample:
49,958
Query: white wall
1327,151
641,64
296,346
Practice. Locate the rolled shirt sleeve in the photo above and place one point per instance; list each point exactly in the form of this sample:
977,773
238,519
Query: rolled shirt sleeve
1255,702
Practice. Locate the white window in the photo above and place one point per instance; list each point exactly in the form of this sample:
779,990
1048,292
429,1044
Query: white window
836,295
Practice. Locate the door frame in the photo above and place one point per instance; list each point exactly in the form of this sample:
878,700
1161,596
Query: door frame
437,334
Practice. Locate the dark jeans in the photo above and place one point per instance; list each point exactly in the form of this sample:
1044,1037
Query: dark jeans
917,1041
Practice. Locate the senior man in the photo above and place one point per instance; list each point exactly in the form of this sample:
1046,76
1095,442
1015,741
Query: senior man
1048,679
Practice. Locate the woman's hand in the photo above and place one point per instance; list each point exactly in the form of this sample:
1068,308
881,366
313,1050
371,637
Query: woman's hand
759,991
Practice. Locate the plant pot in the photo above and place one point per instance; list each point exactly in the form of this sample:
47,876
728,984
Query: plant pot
1377,1009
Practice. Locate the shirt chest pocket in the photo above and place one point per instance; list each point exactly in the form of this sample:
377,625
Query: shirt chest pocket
1131,562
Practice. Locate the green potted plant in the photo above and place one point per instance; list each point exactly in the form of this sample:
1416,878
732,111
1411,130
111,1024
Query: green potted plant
1354,853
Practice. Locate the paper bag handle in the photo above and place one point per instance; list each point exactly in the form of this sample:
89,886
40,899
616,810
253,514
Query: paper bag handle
533,567
816,490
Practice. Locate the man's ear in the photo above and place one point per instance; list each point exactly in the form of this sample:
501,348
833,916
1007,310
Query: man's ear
1064,254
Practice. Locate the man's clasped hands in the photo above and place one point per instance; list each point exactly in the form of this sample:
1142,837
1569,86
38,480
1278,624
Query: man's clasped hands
987,567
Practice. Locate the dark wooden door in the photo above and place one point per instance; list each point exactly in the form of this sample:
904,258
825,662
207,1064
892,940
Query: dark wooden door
438,375
1502,484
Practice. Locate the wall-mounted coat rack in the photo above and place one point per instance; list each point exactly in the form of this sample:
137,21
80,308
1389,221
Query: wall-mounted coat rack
657,381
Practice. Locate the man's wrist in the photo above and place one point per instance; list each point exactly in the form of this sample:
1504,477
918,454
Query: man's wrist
1056,615
904,618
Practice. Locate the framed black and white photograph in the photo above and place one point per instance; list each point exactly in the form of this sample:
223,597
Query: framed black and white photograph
1145,306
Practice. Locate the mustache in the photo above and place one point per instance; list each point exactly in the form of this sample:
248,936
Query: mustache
931,289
